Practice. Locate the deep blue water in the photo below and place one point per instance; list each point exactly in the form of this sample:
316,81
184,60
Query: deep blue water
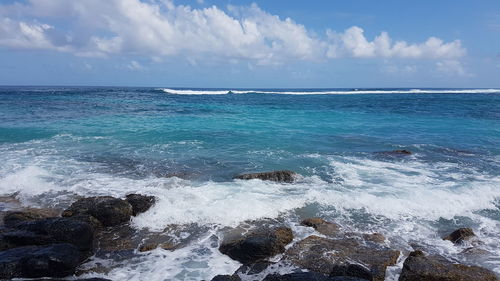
56,143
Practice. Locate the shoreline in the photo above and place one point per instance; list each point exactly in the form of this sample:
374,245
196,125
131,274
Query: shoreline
268,250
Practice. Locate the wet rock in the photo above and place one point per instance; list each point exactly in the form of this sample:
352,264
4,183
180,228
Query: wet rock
56,260
473,251
233,277
86,279
397,152
254,268
16,238
418,266
353,270
278,176
118,238
258,245
308,276
91,220
59,230
460,235
341,257
375,238
12,218
151,246
108,210
140,203
322,226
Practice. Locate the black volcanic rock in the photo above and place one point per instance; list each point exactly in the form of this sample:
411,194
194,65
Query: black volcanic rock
341,257
140,203
56,260
278,176
418,266
108,210
55,230
258,245
460,235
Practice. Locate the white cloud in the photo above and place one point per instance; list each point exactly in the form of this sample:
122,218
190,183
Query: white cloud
134,65
158,28
452,68
352,42
399,70
23,35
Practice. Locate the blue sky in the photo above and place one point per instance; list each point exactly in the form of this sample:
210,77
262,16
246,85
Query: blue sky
258,44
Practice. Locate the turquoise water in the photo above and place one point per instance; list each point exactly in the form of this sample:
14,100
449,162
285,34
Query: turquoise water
185,145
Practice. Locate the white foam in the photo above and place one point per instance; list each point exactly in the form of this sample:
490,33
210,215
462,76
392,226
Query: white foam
333,92
407,197
201,260
30,181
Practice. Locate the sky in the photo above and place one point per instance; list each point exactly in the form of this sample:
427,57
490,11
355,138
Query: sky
251,44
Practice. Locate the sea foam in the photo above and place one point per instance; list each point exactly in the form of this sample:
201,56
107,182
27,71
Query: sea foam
333,92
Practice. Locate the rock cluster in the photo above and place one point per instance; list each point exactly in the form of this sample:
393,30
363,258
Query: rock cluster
258,245
418,266
337,257
33,244
277,176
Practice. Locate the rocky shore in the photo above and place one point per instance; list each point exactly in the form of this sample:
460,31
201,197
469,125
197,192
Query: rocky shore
39,243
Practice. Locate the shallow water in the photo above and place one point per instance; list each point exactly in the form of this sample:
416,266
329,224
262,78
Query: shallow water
184,147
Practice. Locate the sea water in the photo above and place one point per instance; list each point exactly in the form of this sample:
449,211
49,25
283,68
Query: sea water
184,146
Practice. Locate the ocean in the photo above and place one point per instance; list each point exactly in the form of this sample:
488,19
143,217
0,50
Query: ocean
184,146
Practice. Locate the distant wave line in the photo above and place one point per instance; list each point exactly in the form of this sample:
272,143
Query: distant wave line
340,92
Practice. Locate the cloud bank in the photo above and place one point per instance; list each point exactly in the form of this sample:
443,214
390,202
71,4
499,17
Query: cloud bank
159,28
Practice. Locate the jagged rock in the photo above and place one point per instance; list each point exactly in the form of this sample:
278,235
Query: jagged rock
12,218
322,226
56,230
152,246
341,257
254,268
473,251
309,276
140,203
397,152
278,176
374,237
233,277
56,260
418,266
86,279
118,238
108,210
258,245
13,238
460,235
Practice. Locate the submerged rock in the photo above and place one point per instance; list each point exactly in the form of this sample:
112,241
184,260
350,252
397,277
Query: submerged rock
56,260
418,266
86,279
254,268
460,235
322,226
151,246
278,176
341,257
397,152
374,237
258,245
140,203
308,276
107,210
233,277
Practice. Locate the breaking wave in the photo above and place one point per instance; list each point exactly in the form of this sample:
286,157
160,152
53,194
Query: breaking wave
333,92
